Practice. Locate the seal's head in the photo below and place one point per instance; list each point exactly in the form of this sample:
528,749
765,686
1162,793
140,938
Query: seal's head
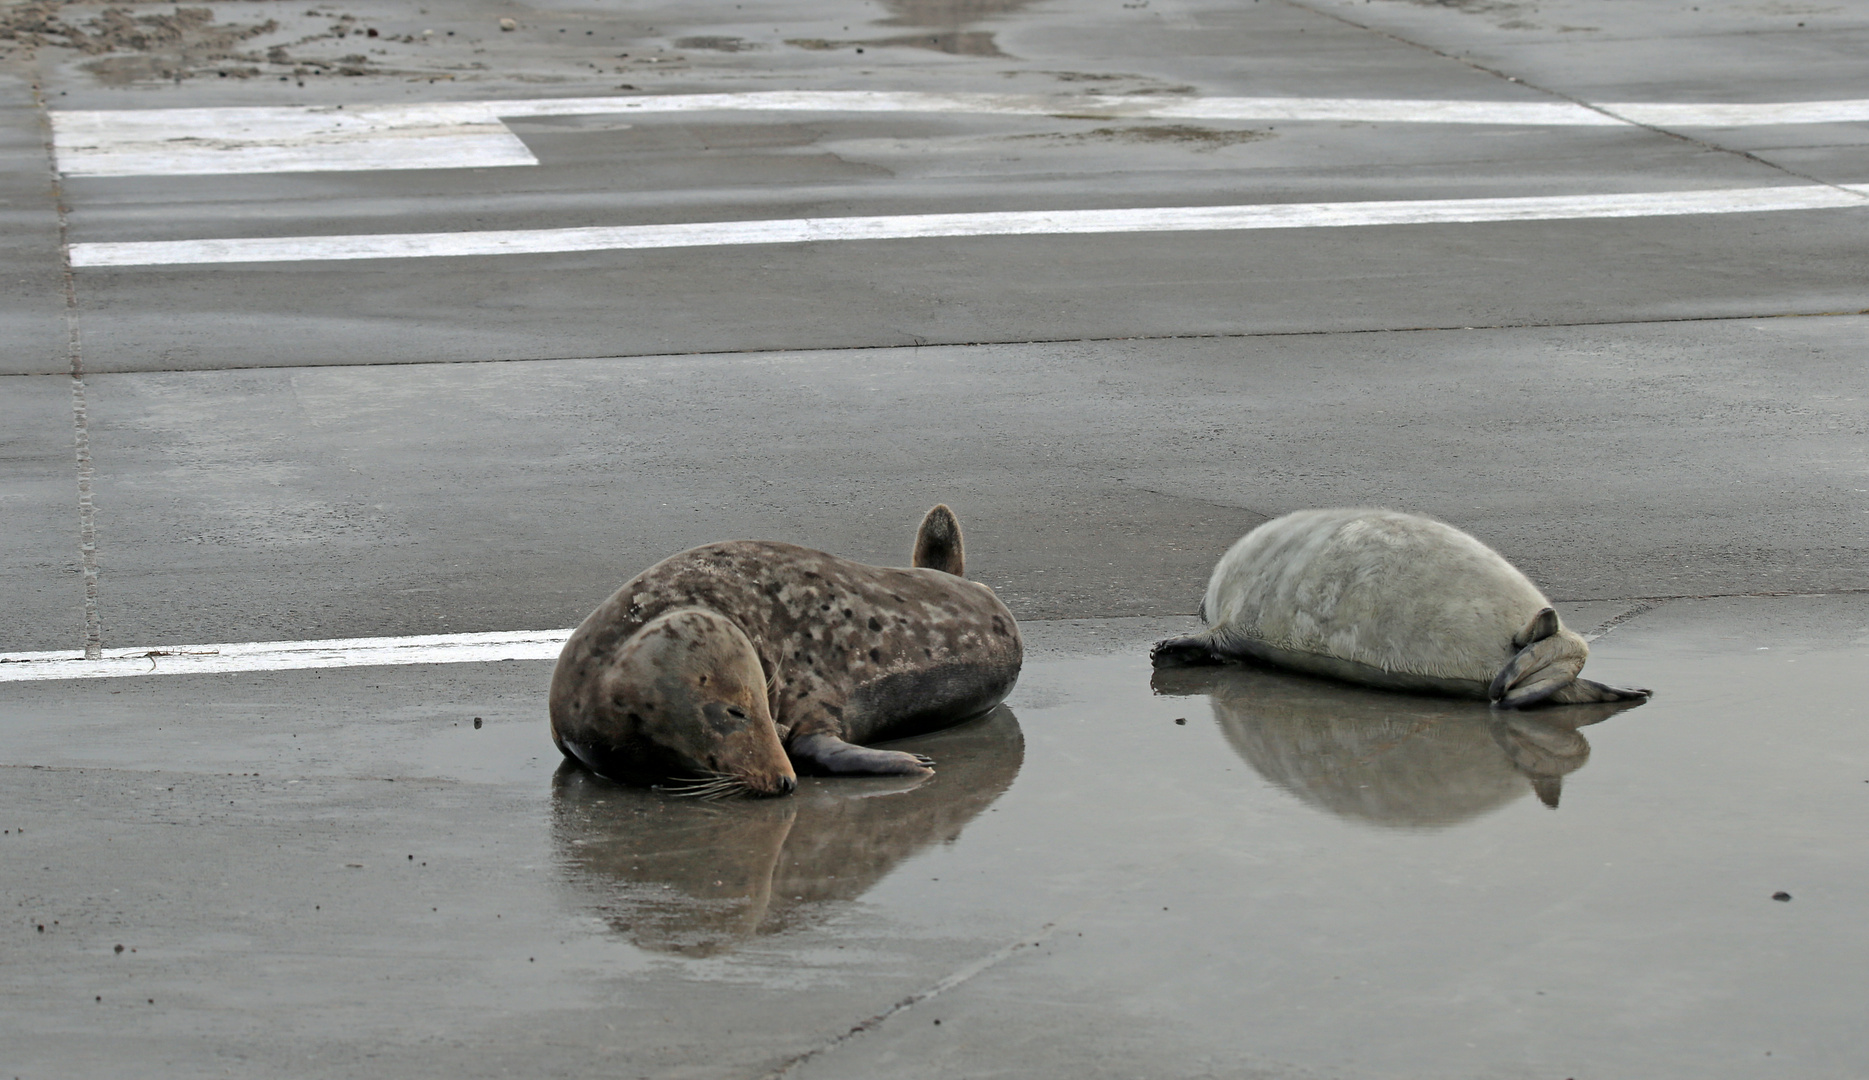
683,704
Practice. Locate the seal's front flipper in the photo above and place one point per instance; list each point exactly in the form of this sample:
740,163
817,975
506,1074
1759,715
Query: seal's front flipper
830,754
938,544
1193,651
1544,670
1547,661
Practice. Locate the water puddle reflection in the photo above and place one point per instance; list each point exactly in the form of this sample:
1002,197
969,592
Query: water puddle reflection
948,12
943,21
1388,759
698,878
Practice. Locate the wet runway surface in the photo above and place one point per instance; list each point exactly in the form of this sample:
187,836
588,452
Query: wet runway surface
1207,872
424,326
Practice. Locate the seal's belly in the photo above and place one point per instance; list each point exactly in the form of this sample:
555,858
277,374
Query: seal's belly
926,699
1336,667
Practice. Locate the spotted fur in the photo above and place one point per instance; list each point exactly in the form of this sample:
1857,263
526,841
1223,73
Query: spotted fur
846,653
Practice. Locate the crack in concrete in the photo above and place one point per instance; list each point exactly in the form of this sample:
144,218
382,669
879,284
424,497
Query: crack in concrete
1638,609
1237,335
979,966
1770,594
81,437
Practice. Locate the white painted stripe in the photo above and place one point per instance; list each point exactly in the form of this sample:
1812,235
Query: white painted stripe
176,142
470,134
995,223
286,655
1760,114
1093,107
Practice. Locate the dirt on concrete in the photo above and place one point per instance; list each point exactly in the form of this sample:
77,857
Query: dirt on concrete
134,47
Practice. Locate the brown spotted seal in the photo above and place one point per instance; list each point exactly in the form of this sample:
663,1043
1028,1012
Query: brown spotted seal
1390,600
731,667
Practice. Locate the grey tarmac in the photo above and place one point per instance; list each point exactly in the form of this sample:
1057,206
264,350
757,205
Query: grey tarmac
379,870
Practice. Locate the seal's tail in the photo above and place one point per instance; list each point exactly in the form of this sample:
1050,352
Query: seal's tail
937,542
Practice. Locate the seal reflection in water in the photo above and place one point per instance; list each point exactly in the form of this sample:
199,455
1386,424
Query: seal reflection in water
1390,600
696,877
731,667
1388,759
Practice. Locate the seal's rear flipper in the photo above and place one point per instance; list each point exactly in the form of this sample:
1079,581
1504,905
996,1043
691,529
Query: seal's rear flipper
1193,651
937,542
832,755
1585,692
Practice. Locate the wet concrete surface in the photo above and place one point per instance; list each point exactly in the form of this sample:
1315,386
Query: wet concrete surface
1240,874
886,294
1093,479
1230,872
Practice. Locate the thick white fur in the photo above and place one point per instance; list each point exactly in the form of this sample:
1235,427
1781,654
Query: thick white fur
1394,591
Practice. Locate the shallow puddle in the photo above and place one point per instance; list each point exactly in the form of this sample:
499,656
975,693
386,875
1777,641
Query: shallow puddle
1329,876
1195,872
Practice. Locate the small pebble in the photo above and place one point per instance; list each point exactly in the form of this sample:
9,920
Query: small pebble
1781,896
476,723
508,24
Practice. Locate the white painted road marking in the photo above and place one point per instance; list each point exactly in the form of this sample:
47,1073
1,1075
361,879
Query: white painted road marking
285,655
472,134
994,223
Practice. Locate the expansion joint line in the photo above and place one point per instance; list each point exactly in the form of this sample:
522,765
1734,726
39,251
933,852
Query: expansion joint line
992,959
1146,874
1475,65
81,438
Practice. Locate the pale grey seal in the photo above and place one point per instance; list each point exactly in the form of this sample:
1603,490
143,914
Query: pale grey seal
1391,600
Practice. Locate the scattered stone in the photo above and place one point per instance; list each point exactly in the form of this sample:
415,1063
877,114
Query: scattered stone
1781,895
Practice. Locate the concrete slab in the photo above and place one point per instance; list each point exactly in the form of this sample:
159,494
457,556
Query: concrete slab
1232,874
1729,50
40,561
32,292
1093,480
314,871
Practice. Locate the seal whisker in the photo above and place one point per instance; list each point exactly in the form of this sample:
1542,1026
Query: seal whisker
690,784
707,788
